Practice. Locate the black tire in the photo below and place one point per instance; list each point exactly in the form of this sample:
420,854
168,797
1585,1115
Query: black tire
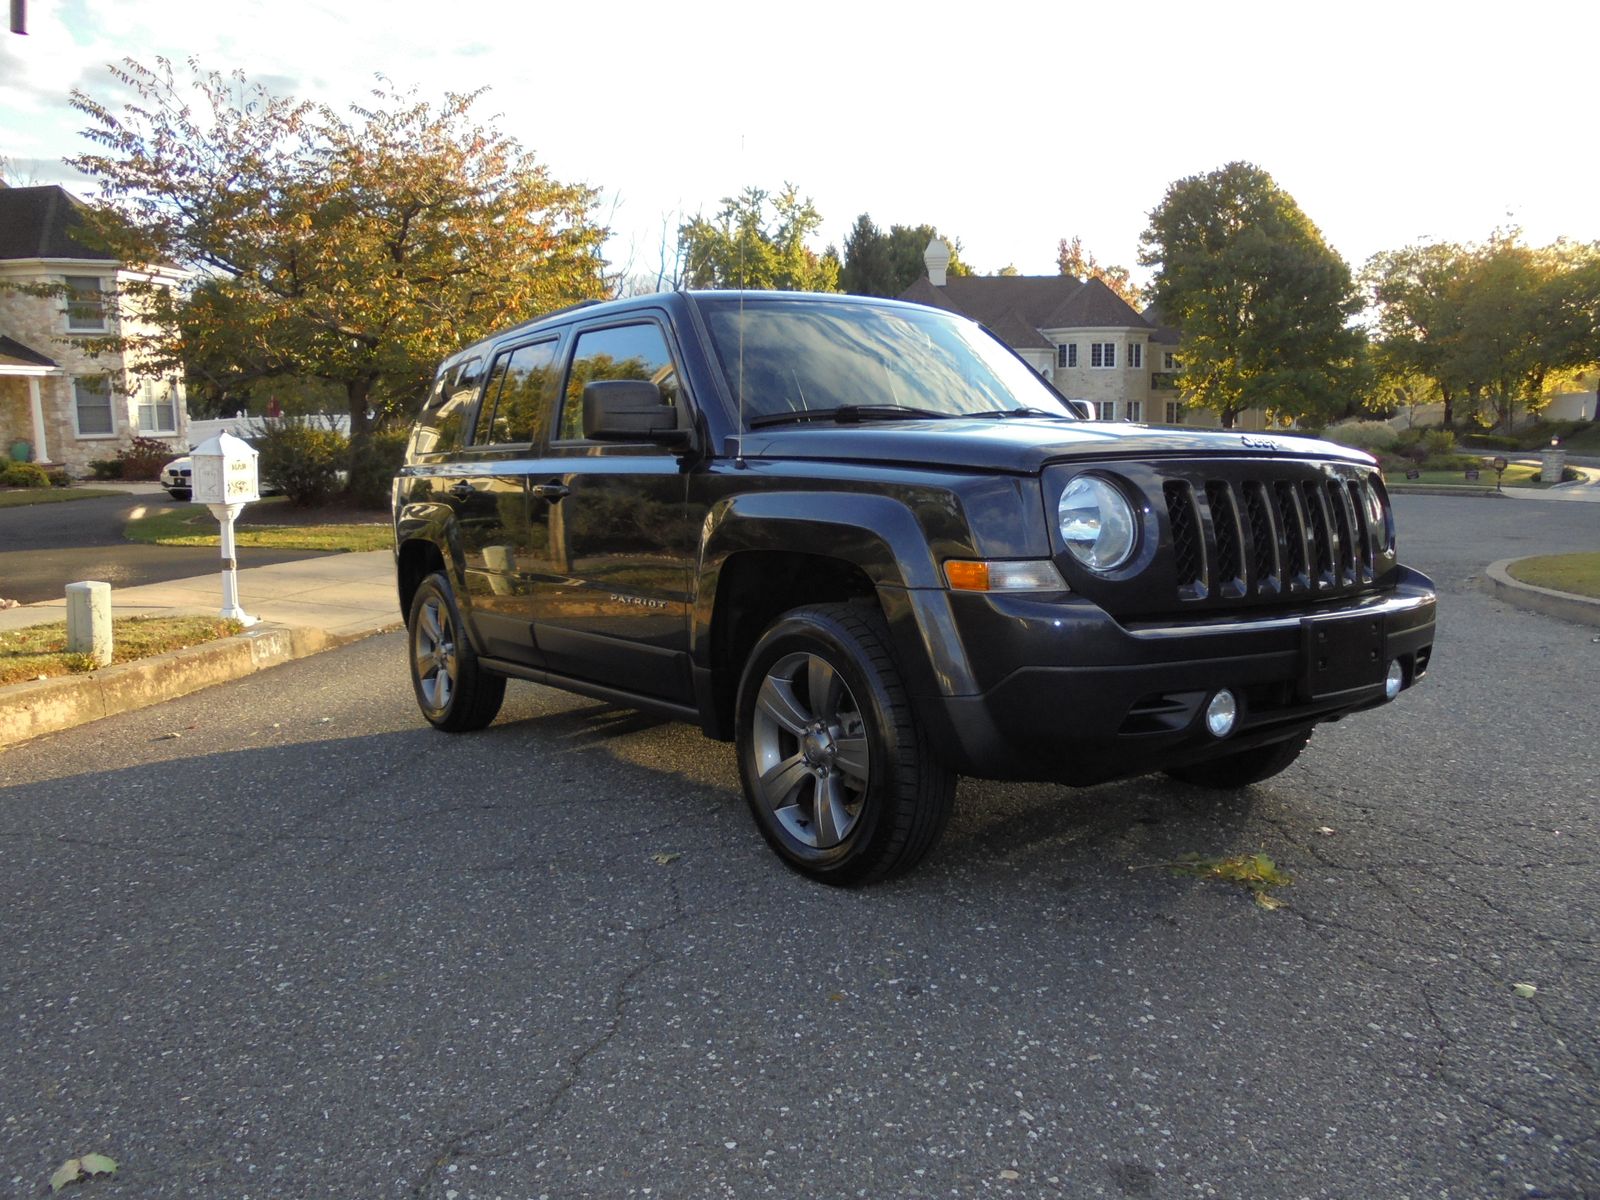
823,717
178,493
1244,768
454,692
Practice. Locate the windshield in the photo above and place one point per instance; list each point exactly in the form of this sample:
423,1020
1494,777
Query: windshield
791,356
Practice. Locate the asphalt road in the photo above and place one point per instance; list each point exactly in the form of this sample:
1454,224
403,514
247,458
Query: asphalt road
279,940
44,547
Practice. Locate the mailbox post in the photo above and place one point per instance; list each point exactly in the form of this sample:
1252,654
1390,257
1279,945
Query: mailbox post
225,480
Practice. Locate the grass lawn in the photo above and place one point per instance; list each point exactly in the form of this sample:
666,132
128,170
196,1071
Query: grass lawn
1517,475
42,649
193,525
1579,573
13,497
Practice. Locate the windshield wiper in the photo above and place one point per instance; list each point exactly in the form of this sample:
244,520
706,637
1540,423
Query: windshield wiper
849,414
1003,413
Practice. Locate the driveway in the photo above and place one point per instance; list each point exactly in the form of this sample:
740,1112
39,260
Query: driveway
44,547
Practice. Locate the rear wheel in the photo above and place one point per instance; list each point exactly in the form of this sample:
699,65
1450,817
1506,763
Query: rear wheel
835,769
1244,768
454,692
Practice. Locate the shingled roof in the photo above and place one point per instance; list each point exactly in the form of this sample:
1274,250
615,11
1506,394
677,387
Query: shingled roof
41,222
1017,307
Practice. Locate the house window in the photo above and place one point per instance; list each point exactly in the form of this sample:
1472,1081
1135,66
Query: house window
1135,355
158,406
1135,409
92,407
1105,410
1067,354
1174,410
86,304
1169,361
1102,354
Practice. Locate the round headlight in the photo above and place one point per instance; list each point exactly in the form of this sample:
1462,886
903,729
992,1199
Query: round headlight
1097,523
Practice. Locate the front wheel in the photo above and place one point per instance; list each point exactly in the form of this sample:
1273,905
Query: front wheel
454,692
178,493
1244,768
835,769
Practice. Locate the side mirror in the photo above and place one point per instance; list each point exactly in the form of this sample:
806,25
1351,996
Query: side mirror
629,410
1081,407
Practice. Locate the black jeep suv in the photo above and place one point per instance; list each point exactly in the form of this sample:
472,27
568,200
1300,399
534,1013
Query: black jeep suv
867,543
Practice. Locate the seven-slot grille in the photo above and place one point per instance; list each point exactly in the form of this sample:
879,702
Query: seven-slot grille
1240,539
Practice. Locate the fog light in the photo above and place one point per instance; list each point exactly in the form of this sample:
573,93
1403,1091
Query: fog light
1394,680
1221,713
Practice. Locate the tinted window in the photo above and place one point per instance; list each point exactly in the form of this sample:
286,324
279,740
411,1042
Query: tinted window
622,352
521,411
443,424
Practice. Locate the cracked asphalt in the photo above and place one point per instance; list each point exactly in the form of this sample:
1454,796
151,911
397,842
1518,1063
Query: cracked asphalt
277,939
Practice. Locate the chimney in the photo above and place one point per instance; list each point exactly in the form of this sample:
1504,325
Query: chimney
937,256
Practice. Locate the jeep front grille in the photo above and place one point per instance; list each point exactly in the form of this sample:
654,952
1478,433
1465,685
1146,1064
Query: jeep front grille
1258,539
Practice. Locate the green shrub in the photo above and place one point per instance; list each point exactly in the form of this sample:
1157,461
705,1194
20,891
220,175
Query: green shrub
24,475
301,457
144,457
60,478
372,469
106,468
1371,436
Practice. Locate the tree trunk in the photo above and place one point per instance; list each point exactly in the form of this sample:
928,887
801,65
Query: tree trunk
357,392
1449,408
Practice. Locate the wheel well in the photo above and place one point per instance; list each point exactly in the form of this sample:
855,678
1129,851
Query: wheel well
416,561
753,589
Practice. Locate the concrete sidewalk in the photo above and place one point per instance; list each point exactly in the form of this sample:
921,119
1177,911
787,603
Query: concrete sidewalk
303,607
341,594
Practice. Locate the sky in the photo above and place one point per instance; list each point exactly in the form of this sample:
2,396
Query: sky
1007,125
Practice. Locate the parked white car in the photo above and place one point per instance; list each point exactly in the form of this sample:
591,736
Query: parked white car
176,478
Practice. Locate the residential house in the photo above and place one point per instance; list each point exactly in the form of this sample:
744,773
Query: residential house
60,404
1079,334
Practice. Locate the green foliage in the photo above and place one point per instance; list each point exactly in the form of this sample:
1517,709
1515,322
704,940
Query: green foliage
1487,324
1263,302
23,475
758,241
106,468
59,478
1072,259
357,249
1371,436
373,466
301,458
885,264
144,457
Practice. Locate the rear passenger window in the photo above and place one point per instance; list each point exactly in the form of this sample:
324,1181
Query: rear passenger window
523,387
622,352
443,424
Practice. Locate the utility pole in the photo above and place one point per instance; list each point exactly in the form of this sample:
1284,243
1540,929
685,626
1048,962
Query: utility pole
19,16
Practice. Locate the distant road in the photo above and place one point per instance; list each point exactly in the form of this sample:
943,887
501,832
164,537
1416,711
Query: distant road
44,547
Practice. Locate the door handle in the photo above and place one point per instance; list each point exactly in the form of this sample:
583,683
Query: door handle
550,491
462,490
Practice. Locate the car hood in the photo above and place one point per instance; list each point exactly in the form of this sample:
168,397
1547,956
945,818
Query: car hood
1022,444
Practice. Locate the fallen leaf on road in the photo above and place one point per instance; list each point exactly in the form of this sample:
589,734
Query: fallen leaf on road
1325,830
664,859
1525,990
75,1169
1010,1174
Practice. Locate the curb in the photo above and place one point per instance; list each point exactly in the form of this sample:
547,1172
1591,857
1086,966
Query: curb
1443,489
30,710
1566,605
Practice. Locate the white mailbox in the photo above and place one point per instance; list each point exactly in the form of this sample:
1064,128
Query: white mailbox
225,471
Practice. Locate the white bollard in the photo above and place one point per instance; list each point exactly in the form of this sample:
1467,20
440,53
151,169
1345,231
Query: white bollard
89,620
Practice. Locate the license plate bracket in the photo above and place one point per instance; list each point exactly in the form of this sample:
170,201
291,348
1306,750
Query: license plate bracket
1341,654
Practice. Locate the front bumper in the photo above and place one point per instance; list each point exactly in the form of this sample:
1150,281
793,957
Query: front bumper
1061,691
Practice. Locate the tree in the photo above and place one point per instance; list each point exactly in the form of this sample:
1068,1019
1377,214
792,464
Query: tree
758,240
1489,324
358,250
1072,259
1263,303
885,264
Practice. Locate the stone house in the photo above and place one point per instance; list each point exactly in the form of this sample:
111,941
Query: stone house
1079,334
60,404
